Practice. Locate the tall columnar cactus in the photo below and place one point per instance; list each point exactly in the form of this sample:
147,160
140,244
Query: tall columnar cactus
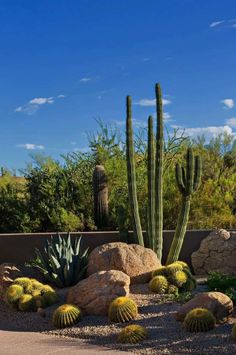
155,172
132,188
100,190
188,182
159,174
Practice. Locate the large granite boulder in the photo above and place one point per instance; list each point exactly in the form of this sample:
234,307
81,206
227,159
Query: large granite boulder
134,260
218,303
217,252
94,294
8,272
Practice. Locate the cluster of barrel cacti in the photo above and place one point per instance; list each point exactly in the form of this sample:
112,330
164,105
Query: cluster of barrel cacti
66,315
172,279
188,180
28,295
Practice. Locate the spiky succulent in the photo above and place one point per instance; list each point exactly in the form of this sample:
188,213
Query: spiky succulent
13,293
199,320
122,309
66,316
27,303
172,268
159,284
182,263
179,278
25,282
173,290
234,331
63,263
161,271
133,334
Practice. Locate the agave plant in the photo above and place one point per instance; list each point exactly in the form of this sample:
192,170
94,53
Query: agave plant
62,262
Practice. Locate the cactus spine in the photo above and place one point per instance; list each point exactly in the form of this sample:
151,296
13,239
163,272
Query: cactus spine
155,172
131,174
188,182
100,190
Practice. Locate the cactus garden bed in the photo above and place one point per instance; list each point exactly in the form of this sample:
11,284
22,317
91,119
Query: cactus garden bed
166,335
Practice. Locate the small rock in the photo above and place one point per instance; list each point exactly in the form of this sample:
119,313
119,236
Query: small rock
218,303
134,260
94,294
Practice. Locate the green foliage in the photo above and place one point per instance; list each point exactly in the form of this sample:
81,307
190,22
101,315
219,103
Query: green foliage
53,196
159,284
217,281
199,320
13,294
66,316
234,332
122,309
184,297
133,334
63,262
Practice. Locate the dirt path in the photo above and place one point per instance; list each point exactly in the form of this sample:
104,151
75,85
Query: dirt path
27,343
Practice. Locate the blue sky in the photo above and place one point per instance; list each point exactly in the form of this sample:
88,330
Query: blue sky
64,63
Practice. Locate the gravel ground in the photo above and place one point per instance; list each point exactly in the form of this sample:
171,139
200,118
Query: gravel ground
166,336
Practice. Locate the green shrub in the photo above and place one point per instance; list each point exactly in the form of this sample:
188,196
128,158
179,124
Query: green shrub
217,281
63,263
122,309
133,334
199,320
66,316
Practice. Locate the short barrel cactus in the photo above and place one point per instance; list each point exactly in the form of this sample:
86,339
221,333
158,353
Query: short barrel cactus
199,320
159,284
122,309
13,293
133,334
179,278
27,303
66,316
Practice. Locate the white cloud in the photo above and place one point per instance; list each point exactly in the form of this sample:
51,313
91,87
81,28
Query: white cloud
85,80
41,101
151,102
30,146
216,23
231,122
33,105
228,103
208,132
